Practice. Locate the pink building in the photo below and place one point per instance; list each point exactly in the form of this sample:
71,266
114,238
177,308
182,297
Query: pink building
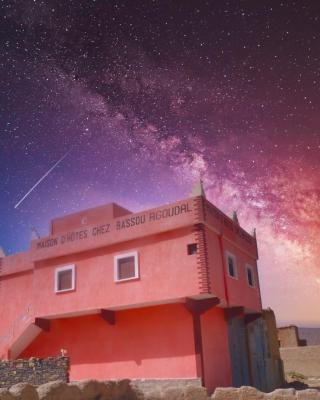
163,293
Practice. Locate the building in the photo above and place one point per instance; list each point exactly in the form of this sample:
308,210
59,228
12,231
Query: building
301,359
164,293
289,337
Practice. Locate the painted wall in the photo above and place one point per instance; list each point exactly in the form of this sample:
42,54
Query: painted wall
166,272
154,342
216,269
239,292
217,367
111,230
16,307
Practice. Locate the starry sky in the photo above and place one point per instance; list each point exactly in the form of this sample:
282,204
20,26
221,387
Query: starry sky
142,97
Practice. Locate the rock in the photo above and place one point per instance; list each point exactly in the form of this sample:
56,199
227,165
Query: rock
226,393
92,389
282,394
59,390
308,394
5,395
23,391
195,393
155,394
187,392
250,393
173,393
123,390
146,391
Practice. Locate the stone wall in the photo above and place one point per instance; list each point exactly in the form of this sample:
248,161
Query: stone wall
126,390
288,336
302,360
34,370
250,393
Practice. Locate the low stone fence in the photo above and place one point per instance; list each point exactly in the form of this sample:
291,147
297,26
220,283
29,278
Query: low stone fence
250,393
34,370
127,390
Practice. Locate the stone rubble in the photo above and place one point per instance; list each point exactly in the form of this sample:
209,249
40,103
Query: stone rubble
126,390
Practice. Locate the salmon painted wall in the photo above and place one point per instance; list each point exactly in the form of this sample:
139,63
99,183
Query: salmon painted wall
239,292
166,272
216,268
154,342
217,367
224,225
110,231
15,299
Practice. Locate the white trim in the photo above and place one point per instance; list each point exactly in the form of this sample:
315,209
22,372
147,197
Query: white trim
249,267
136,266
233,257
70,267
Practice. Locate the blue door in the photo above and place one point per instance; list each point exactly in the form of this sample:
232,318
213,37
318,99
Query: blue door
238,352
258,346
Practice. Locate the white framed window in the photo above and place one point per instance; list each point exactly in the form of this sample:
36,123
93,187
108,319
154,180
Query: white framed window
126,267
65,278
231,265
250,276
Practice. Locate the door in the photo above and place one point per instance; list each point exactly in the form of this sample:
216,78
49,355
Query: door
238,352
258,347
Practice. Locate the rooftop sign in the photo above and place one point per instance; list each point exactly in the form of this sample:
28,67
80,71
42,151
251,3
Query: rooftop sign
122,228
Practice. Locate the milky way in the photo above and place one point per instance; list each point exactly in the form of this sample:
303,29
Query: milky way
148,95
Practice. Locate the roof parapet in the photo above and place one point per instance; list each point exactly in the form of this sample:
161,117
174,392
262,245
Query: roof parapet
235,218
198,189
2,253
34,234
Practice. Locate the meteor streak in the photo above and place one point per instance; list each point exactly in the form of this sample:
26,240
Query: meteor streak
41,179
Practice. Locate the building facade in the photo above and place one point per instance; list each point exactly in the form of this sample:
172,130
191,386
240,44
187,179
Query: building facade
164,293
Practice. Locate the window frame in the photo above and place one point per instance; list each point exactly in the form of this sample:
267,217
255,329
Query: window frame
233,257
250,268
136,266
69,267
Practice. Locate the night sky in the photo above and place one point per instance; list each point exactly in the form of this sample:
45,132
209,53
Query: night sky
144,96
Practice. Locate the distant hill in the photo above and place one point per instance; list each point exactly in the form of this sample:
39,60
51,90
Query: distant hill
312,335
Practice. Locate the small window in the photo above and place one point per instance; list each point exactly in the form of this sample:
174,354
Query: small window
231,265
192,249
126,267
250,276
65,279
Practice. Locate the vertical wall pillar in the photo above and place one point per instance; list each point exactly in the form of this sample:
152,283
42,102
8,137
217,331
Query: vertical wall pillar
196,308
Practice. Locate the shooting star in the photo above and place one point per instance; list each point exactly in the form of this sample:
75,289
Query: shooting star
41,179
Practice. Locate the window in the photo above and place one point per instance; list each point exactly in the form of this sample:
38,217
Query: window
192,249
250,276
126,267
231,265
65,278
